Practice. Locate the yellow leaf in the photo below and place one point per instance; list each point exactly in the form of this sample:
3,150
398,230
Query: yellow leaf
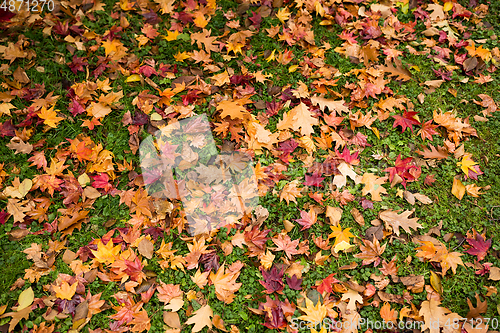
458,189
65,291
293,68
342,238
50,117
283,14
271,56
171,35
25,187
133,78
267,259
200,20
5,108
436,282
181,56
314,313
466,164
106,254
26,298
448,6
156,116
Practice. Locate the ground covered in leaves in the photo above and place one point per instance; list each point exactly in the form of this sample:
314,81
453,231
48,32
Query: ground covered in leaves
374,132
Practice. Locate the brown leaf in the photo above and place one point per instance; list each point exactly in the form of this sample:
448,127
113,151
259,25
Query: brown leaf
19,146
171,319
439,153
358,217
395,220
146,248
474,312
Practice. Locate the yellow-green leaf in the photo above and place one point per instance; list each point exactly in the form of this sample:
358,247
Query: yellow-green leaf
436,282
26,299
133,78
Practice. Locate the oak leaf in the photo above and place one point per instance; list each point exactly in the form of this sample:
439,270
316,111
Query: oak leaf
434,315
201,318
396,221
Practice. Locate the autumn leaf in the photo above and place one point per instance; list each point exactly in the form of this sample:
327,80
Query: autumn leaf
373,186
407,120
371,252
458,189
434,315
201,318
395,221
290,192
307,219
225,284
65,290
313,313
106,254
49,116
285,244
342,238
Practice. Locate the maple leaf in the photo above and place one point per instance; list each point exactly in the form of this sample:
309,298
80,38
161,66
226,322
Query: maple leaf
49,116
294,282
65,291
307,219
201,318
373,186
403,168
273,280
371,252
387,313
395,220
284,243
299,118
479,247
313,313
232,109
427,130
106,254
407,120
314,180
448,260
290,192
342,237
225,284
467,163
326,284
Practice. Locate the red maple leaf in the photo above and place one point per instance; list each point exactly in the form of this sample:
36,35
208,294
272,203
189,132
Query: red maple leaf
307,219
403,168
407,120
257,237
273,280
294,282
347,156
102,181
427,130
314,180
327,283
479,247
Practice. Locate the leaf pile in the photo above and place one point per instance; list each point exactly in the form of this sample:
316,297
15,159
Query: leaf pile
346,160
